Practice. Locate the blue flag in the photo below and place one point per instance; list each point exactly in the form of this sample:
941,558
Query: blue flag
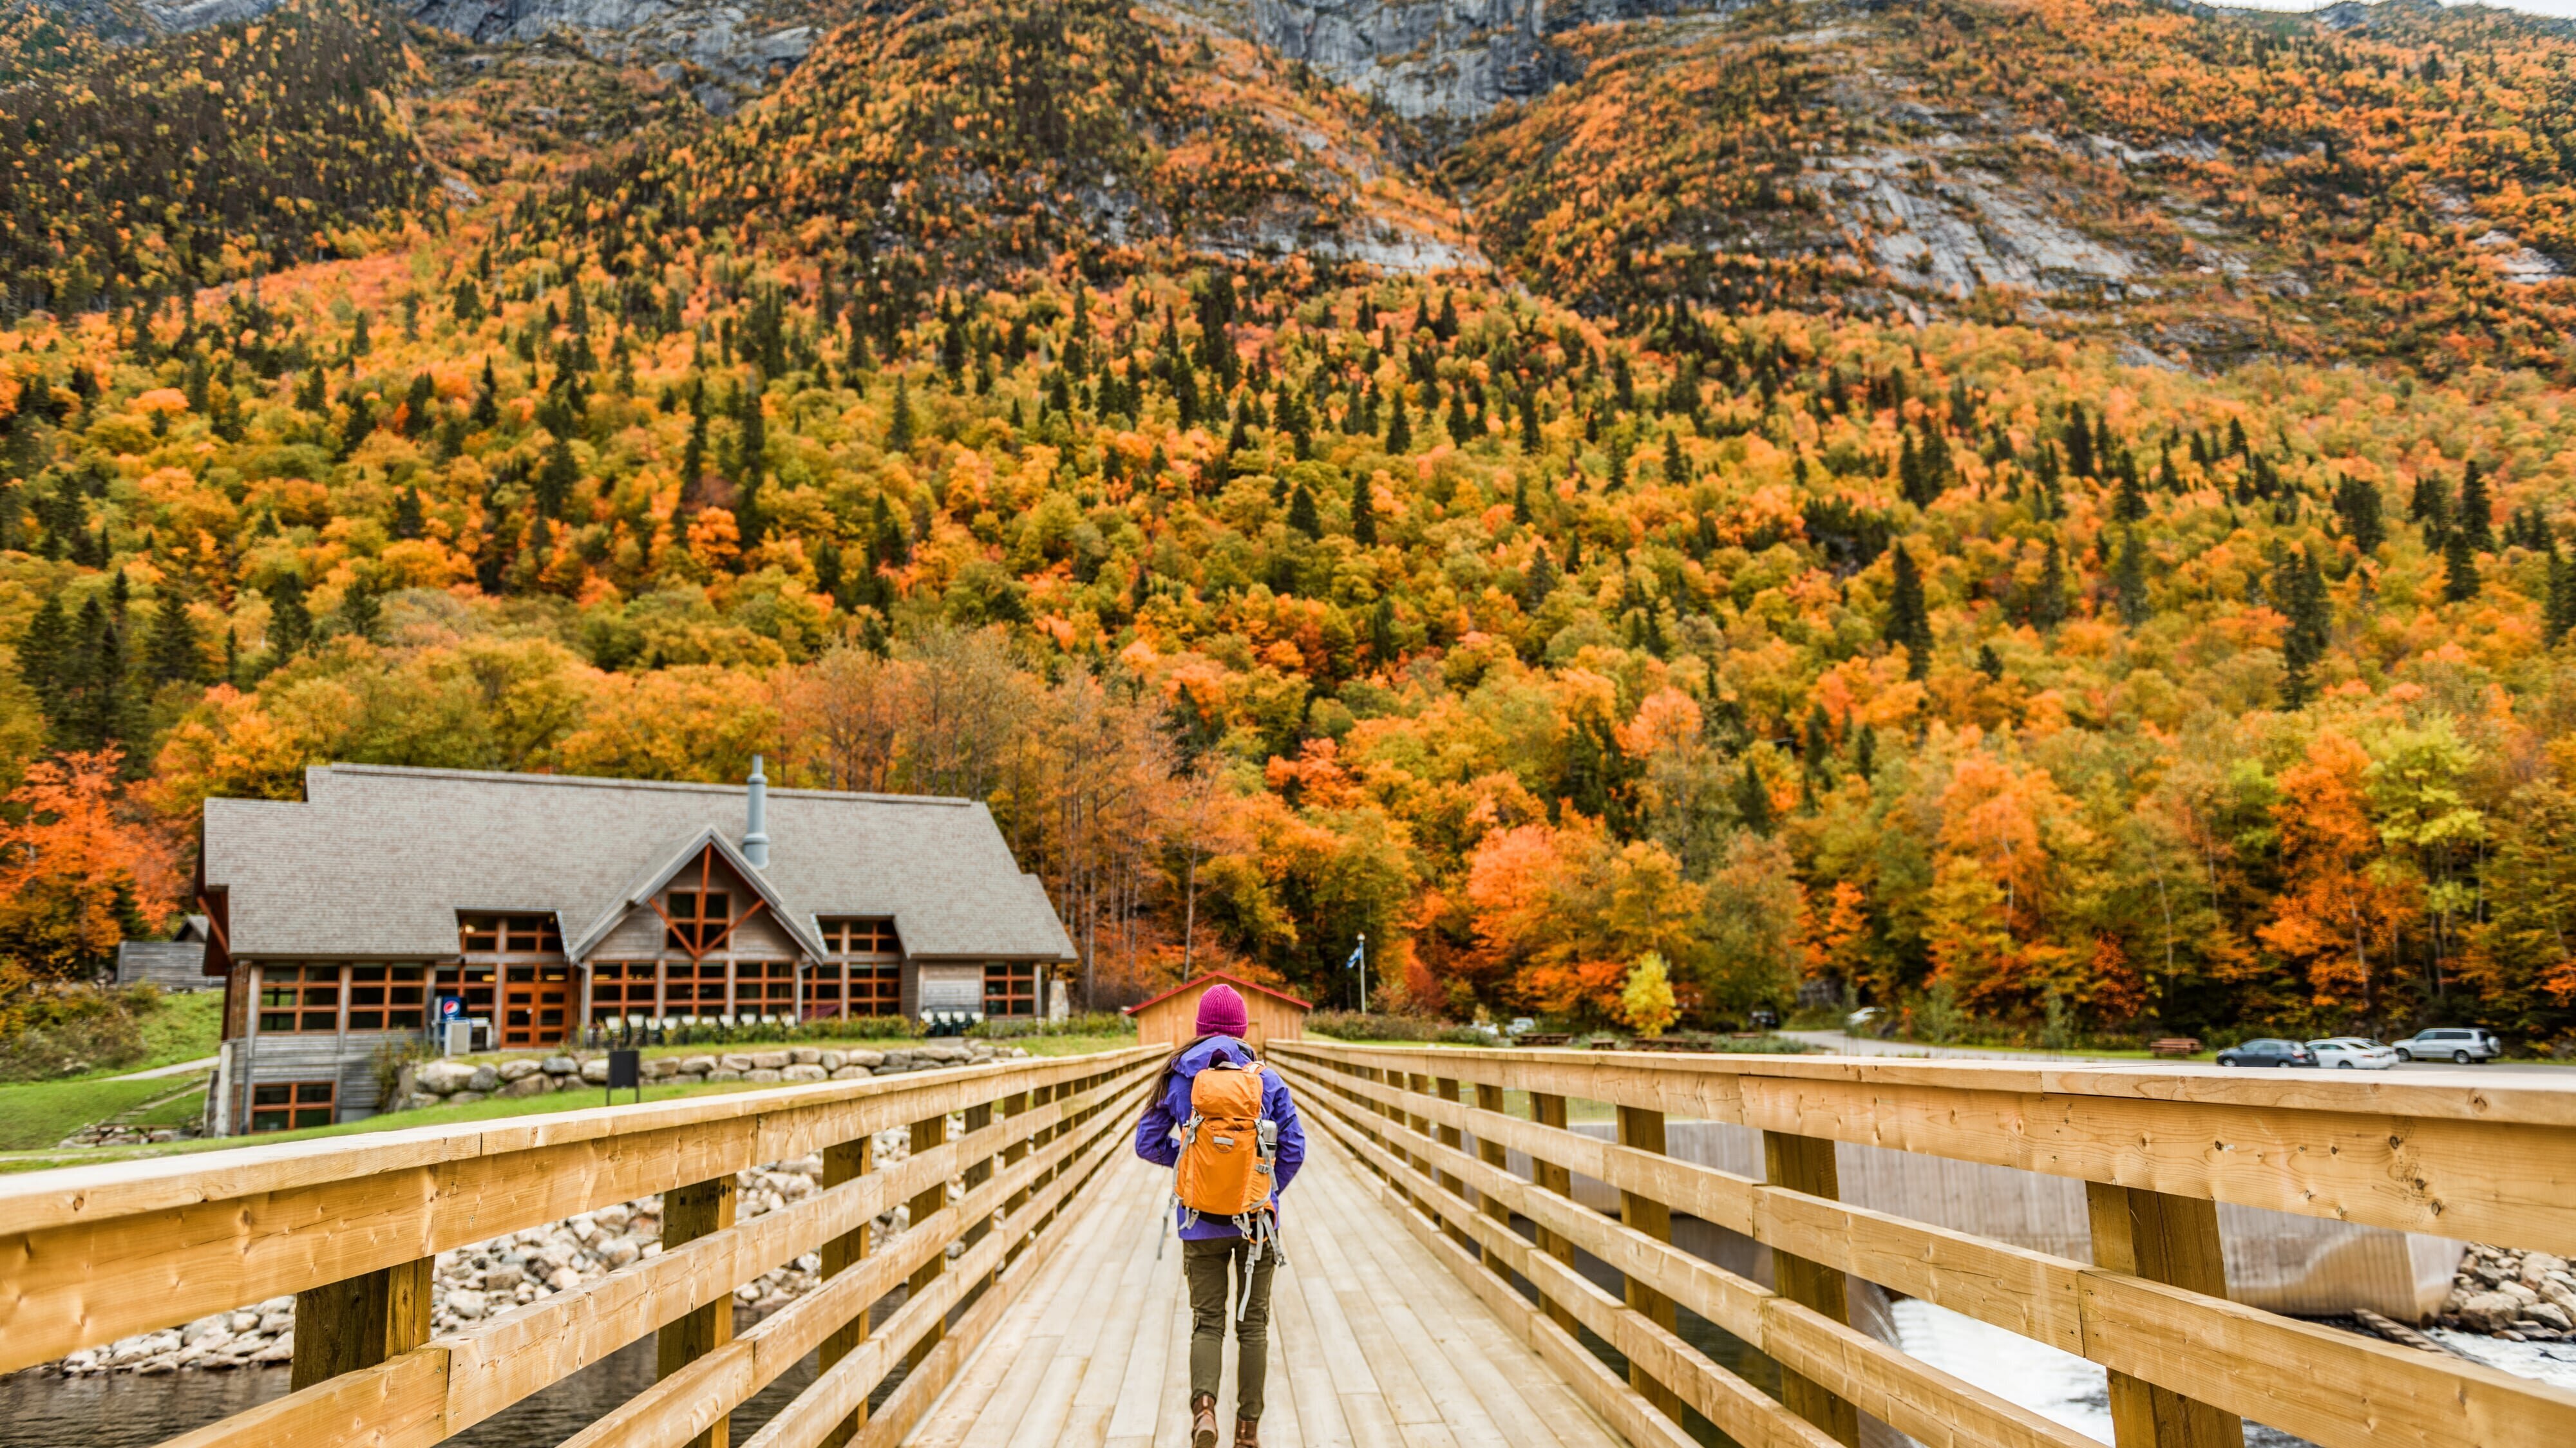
1356,952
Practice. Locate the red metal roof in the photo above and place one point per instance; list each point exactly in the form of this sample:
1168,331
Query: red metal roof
1237,982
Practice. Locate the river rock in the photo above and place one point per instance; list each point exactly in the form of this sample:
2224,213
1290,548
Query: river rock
518,1070
485,1080
802,1072
2489,1312
595,1072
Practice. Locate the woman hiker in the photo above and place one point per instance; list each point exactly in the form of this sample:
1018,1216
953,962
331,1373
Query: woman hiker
1217,1253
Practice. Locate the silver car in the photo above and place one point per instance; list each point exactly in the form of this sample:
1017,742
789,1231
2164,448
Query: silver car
2460,1044
2352,1053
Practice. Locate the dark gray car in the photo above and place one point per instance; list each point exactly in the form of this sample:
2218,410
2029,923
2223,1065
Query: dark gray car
2267,1052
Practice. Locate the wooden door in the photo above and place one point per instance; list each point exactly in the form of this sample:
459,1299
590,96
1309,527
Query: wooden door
536,1006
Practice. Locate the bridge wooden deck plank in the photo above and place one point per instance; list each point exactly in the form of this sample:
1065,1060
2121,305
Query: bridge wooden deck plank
1372,1344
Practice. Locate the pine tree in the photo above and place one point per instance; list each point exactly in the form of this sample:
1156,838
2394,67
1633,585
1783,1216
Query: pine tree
2129,504
1676,470
1382,644
1363,514
1531,441
2560,614
1990,663
1539,581
2477,513
2129,581
891,546
1753,800
2459,567
42,653
2357,503
899,430
1909,621
1302,515
487,398
290,623
1399,430
408,522
2079,442
2048,599
175,656
555,479
359,344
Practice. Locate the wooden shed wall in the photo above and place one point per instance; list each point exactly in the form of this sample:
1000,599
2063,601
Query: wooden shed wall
1173,1021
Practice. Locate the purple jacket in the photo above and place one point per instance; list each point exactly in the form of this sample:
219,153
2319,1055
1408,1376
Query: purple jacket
1156,1142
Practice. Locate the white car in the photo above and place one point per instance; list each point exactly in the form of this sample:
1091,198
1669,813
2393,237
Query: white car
2352,1053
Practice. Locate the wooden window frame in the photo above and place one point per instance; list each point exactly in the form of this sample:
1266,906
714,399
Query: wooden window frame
299,1017
401,1001
1018,980
303,1098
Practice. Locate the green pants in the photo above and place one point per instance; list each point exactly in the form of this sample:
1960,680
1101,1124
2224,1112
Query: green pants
1213,1267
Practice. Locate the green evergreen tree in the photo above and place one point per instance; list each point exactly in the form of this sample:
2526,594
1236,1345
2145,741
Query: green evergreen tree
2560,613
175,655
2048,598
1538,581
1302,515
2356,502
1753,800
1383,648
2459,567
42,653
1909,620
290,623
2477,512
1399,429
2129,504
2129,581
899,428
1676,469
1363,514
555,479
408,522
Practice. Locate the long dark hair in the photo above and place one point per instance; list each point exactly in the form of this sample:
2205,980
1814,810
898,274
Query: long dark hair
1172,1067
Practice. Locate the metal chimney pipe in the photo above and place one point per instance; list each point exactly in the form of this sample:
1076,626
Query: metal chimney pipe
755,835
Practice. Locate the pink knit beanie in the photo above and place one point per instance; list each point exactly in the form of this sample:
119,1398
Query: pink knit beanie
1221,1012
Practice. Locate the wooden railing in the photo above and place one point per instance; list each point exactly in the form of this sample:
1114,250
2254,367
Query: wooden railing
2157,1149
353,1226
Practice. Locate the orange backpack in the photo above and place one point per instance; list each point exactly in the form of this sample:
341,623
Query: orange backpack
1229,1157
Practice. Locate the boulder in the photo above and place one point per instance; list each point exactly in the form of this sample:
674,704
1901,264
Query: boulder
518,1070
724,1075
698,1065
831,1060
444,1078
420,1100
534,1083
764,1073
2489,1312
485,1080
595,1071
802,1072
805,1056
850,1073
2550,1314
769,1060
466,1098
735,1062
863,1059
659,1067
561,1065
469,1305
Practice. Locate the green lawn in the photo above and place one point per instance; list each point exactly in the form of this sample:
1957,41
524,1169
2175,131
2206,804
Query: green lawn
42,1114
64,1107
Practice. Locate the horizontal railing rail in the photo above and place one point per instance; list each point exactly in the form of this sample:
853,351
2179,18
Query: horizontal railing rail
352,1227
2157,1149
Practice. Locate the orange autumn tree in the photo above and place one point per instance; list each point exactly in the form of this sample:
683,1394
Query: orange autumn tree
2339,912
2008,840
78,873
1567,909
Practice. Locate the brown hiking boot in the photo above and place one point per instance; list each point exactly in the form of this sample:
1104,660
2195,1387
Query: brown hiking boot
1247,1433
1203,1421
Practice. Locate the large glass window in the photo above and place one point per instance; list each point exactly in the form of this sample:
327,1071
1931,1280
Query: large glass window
471,984
290,1105
1011,988
765,988
859,936
299,997
508,935
876,990
699,919
622,988
387,997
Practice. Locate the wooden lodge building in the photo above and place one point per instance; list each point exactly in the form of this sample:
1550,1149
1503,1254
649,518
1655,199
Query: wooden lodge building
543,904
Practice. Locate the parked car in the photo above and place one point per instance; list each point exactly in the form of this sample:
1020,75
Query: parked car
2352,1053
2267,1052
2462,1044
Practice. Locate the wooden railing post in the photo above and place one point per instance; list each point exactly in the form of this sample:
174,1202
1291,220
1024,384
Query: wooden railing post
2173,1240
1490,1152
1644,1130
1446,1088
360,1321
688,1213
846,1162
1015,1104
1806,1164
927,1135
978,1171
1549,1111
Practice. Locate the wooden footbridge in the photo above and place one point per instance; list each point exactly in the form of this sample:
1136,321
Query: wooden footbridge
1436,1292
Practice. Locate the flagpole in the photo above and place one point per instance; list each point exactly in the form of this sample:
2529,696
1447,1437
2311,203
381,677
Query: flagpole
1363,972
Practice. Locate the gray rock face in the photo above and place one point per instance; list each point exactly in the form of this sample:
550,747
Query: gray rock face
712,37
1455,59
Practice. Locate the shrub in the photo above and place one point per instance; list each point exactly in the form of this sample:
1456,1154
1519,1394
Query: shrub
72,1029
1373,1026
1093,1023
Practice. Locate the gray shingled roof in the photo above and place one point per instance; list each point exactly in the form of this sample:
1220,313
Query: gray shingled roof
378,860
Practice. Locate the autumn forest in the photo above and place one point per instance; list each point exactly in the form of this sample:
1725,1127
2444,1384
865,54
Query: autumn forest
1031,400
